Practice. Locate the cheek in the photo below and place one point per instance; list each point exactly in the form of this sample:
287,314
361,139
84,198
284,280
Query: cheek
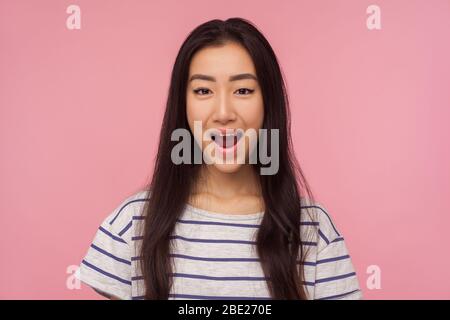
195,112
253,115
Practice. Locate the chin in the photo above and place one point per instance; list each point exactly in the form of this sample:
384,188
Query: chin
227,168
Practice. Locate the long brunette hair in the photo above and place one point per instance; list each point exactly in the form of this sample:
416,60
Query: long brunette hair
279,239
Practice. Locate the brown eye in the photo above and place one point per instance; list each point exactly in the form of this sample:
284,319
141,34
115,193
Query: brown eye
242,91
200,90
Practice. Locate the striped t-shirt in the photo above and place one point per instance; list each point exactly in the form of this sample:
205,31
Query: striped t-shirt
214,256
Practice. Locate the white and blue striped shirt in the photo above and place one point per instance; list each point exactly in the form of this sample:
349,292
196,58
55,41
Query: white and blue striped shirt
214,256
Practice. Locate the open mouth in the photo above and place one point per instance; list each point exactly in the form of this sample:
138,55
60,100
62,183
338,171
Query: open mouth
227,141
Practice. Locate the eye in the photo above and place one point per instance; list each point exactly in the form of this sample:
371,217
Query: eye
242,90
196,91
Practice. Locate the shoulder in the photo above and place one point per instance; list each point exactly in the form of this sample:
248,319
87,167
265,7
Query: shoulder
121,217
107,263
319,214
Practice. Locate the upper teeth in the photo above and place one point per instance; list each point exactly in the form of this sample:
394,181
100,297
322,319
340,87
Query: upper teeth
227,135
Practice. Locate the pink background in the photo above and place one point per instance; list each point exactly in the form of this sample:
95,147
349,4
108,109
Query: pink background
80,112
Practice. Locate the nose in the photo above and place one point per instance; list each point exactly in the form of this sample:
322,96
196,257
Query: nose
224,111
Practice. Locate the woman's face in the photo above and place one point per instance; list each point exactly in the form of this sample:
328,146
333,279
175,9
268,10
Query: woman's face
222,102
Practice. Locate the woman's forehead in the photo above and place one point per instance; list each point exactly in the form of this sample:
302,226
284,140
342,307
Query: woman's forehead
222,62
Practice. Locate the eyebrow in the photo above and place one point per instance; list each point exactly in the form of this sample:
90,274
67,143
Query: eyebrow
231,78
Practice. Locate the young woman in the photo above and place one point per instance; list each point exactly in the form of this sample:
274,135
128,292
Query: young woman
222,230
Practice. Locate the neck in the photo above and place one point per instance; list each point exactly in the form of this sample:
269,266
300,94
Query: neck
228,185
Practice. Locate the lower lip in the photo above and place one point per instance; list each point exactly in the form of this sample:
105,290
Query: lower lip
231,149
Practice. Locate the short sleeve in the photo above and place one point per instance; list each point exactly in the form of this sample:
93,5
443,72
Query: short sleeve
335,274
106,266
